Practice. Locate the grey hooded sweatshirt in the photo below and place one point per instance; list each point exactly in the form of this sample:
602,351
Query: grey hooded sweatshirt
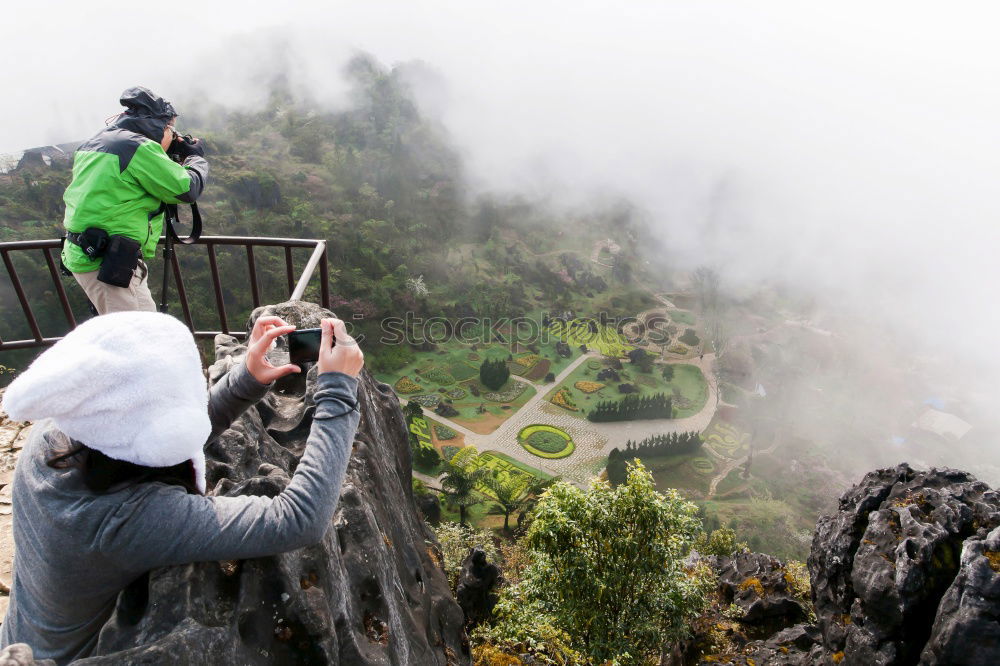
75,550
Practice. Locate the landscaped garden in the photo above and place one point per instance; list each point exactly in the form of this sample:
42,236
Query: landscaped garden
597,337
546,441
726,440
600,380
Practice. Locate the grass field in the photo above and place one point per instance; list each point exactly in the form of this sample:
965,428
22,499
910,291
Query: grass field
690,382
677,471
682,317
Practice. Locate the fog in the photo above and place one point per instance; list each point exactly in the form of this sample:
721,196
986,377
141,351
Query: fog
850,150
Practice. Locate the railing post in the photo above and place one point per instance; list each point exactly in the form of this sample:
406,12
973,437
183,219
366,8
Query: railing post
19,290
252,265
289,271
218,288
181,291
63,299
324,279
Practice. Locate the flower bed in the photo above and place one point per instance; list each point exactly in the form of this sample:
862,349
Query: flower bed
594,364
443,432
546,441
562,398
589,387
513,390
406,385
528,360
457,393
702,465
428,400
438,376
677,349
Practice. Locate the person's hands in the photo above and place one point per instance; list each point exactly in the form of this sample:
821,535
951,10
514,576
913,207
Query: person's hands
345,356
186,146
265,331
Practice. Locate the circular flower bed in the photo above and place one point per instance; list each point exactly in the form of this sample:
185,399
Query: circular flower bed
594,364
546,441
457,393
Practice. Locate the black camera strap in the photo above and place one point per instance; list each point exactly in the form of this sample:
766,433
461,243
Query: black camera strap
171,219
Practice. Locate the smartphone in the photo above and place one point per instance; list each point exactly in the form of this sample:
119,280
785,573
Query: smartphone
303,345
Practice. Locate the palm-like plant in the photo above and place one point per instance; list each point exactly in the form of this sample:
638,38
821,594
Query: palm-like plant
461,477
510,492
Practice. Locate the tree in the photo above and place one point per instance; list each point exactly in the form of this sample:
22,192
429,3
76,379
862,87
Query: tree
608,567
462,475
668,372
494,373
721,542
510,491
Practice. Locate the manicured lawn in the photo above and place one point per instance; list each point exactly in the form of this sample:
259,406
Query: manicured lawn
733,481
678,471
682,317
693,387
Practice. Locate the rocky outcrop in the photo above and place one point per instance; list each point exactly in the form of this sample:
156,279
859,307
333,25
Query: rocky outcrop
759,585
371,592
908,570
477,587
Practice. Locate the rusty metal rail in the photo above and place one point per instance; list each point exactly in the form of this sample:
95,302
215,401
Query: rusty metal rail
296,289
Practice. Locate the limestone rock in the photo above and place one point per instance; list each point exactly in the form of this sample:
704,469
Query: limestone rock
902,569
371,592
757,583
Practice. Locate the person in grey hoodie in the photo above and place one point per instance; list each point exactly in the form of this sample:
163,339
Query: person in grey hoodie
111,482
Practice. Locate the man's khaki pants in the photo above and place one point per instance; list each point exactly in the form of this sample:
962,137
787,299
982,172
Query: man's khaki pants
109,298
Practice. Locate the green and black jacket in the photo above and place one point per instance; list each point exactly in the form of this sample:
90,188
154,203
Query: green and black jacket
122,178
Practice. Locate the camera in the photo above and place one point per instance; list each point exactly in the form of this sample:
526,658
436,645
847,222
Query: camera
304,344
180,146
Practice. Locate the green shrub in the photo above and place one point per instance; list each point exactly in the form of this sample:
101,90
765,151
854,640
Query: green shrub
689,338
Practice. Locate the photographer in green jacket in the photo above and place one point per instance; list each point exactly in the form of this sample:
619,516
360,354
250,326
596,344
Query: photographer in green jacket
123,178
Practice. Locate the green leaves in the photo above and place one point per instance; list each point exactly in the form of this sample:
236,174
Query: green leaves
608,566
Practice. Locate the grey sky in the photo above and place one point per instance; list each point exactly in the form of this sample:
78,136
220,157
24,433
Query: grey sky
851,146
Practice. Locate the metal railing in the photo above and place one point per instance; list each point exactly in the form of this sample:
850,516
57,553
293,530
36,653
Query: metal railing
296,289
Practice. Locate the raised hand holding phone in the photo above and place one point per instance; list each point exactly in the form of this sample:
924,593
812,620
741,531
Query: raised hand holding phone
345,356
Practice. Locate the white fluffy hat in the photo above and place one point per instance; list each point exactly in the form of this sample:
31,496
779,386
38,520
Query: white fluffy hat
128,384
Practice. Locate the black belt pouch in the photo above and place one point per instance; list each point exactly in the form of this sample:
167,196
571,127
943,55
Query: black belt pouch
120,260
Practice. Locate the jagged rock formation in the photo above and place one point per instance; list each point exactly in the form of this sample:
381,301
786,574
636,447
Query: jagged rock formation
902,572
759,585
907,571
372,592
